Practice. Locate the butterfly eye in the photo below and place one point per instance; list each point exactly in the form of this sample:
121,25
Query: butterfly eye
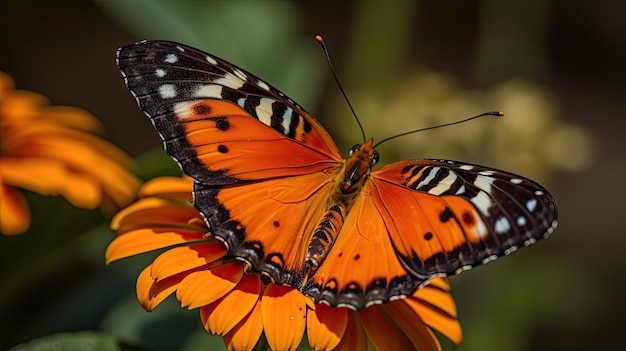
354,149
375,157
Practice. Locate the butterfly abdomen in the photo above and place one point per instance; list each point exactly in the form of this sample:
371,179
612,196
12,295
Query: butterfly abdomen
324,236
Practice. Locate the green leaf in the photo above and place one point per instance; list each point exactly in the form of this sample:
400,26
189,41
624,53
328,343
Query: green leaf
79,341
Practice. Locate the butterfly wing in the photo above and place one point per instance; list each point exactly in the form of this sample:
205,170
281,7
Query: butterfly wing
444,217
261,164
362,269
220,123
438,218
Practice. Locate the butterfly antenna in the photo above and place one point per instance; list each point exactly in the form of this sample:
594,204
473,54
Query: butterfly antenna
320,40
491,113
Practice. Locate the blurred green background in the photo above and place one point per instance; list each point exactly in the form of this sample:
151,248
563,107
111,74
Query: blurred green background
556,67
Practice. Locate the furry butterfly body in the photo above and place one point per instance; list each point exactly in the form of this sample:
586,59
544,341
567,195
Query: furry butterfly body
272,184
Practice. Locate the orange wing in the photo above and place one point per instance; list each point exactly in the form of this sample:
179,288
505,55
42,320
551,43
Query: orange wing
220,123
362,268
444,217
438,218
268,224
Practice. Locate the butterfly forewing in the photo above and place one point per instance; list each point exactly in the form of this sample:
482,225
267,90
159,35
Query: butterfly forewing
445,216
203,106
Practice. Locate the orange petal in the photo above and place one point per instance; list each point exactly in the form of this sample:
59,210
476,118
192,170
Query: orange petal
72,117
42,176
410,323
22,106
437,297
325,326
245,335
184,258
354,337
150,293
152,211
177,187
383,332
83,159
144,240
440,283
224,314
284,316
81,190
14,214
202,288
438,320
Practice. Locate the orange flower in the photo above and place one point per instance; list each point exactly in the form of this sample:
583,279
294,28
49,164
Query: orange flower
50,150
244,306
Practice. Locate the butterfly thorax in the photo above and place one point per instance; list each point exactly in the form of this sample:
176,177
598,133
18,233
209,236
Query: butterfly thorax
362,158
351,180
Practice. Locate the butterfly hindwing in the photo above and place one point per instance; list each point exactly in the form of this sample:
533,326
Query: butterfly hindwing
446,217
269,223
361,268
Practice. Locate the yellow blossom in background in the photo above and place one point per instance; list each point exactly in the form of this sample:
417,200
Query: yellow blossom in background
52,150
244,306
530,139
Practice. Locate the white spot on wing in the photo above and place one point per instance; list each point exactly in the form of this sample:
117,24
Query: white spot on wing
264,111
484,183
521,221
538,192
480,229
171,58
467,167
159,72
241,102
486,173
461,190
263,85
211,60
516,181
229,80
208,91
431,175
531,205
240,74
287,120
502,225
510,250
397,297
443,185
463,269
183,109
489,259
167,91
482,201
181,49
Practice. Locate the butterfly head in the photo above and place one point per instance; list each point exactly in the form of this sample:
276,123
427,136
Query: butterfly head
362,158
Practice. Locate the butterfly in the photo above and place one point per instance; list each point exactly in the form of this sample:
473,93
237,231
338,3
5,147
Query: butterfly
273,186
